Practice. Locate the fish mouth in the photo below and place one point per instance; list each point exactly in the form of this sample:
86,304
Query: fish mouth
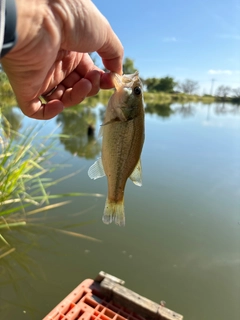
126,80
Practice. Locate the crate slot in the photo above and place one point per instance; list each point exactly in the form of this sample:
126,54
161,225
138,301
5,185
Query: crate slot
113,308
108,313
81,312
96,312
93,304
78,296
99,308
118,317
103,317
123,314
71,305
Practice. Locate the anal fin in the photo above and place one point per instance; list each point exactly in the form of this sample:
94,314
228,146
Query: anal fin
136,175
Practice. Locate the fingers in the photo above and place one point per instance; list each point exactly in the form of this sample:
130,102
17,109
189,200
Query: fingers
106,81
77,93
69,97
94,77
37,110
74,89
85,80
67,94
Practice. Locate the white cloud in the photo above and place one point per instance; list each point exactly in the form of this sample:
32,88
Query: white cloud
223,72
169,39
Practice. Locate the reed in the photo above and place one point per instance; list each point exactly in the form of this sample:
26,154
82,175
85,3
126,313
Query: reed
25,169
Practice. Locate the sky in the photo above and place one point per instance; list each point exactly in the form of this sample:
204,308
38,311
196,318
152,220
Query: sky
197,40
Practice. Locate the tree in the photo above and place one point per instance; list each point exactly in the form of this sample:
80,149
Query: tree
223,91
188,86
151,84
166,84
236,92
128,66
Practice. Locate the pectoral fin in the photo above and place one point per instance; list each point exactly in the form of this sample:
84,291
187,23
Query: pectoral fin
96,171
136,175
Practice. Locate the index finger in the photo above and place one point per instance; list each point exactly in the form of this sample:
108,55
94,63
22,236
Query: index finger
93,33
112,52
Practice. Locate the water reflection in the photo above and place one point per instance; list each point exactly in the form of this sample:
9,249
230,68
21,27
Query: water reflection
186,110
190,109
18,270
235,110
79,134
42,237
78,131
221,108
226,108
164,110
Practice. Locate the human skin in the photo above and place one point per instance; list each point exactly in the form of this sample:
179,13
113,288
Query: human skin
54,38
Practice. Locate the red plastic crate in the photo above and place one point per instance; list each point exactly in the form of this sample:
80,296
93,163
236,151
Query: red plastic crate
85,303
88,302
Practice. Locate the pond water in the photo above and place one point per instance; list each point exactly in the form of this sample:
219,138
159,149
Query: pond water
181,242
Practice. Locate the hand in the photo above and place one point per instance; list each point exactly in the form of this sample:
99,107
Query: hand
54,38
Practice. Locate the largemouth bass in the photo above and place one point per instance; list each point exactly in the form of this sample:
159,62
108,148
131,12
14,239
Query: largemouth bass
123,138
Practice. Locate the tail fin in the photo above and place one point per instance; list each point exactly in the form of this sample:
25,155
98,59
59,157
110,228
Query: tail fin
114,211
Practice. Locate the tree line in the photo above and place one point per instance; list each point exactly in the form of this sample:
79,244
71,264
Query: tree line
170,85
165,84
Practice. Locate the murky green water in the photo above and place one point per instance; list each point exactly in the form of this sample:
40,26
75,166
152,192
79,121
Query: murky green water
181,242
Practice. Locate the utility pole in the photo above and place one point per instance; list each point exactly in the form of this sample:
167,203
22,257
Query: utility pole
211,91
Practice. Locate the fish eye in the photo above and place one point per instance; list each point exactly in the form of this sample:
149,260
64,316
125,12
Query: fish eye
137,91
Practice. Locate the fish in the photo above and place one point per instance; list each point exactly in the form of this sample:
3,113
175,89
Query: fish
123,137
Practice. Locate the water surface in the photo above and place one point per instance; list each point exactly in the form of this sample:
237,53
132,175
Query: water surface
181,242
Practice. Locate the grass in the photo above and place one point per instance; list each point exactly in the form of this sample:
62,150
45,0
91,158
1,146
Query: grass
161,97
24,180
150,97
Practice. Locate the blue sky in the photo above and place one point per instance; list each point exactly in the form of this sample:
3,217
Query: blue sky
198,40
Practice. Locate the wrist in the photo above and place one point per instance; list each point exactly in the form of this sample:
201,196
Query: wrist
10,35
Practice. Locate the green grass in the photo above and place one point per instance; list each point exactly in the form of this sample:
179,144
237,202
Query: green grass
157,97
25,168
161,97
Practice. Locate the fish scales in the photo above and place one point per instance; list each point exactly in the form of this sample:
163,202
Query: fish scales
123,138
